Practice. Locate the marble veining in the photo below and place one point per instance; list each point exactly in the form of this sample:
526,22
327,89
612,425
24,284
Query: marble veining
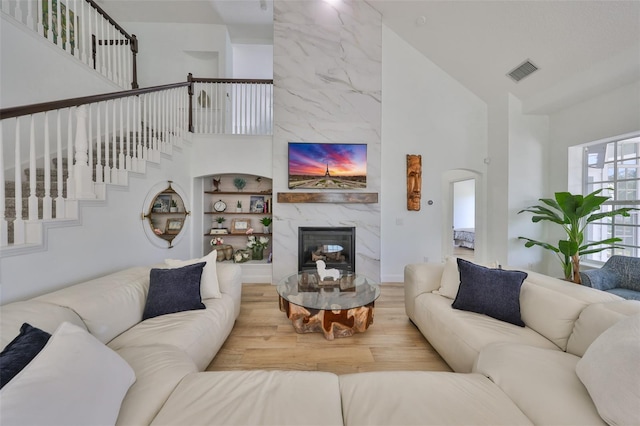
327,88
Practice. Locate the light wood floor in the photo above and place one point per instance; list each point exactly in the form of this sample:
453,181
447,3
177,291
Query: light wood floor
263,338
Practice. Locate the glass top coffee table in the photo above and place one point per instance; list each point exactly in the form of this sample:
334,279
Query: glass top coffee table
337,307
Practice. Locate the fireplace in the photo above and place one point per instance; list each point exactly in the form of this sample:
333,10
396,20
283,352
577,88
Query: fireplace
335,245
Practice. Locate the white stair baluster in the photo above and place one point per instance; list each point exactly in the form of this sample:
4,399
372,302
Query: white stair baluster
128,135
18,224
99,168
121,165
60,201
30,14
114,145
17,12
33,198
4,226
71,188
65,32
107,165
46,200
39,19
82,171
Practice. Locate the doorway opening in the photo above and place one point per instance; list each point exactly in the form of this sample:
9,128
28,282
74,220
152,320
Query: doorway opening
464,218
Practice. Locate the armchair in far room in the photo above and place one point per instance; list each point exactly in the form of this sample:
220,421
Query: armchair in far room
620,275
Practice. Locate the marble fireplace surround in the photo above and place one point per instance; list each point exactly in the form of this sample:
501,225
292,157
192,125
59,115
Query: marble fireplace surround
327,88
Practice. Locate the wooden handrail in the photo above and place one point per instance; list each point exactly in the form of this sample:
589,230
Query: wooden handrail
66,103
109,18
230,80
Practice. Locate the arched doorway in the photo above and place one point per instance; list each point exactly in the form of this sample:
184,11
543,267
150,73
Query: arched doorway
471,229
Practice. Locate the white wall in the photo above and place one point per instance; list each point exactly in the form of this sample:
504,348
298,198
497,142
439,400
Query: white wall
253,61
110,237
528,181
52,74
464,204
424,111
168,51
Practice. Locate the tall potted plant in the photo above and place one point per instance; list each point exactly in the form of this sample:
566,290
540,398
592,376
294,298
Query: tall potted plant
573,213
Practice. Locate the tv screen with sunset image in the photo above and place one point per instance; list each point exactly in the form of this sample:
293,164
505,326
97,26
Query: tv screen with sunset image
327,165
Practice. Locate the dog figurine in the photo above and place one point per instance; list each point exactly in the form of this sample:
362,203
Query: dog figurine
324,272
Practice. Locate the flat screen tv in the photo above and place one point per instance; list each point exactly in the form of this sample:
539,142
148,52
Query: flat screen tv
314,165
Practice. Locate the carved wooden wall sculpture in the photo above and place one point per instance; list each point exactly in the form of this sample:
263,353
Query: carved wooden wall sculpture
414,181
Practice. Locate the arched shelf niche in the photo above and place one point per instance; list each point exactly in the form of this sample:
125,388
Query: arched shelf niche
164,214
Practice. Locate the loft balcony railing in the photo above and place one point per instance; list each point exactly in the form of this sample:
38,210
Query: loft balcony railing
56,153
83,30
231,106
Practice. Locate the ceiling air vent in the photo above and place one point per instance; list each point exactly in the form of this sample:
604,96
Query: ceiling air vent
522,70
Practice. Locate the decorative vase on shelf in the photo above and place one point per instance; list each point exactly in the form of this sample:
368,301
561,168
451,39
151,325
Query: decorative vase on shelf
266,229
257,253
228,252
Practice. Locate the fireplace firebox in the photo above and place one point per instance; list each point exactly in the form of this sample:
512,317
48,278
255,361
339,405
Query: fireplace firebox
336,246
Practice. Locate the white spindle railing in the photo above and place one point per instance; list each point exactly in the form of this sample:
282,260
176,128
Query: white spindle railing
101,140
80,28
233,106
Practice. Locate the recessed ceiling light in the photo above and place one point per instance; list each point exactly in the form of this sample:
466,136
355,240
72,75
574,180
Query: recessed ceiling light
421,21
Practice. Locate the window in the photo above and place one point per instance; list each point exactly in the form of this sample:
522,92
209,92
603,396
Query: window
613,166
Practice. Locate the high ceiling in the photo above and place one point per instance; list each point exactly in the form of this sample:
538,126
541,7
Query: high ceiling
582,48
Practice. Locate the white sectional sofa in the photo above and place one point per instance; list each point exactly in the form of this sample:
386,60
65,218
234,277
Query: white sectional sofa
508,376
534,365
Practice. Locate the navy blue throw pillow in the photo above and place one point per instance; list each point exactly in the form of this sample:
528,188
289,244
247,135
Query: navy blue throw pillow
21,351
493,292
174,290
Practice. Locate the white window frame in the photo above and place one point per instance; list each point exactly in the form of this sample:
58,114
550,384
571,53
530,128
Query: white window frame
627,228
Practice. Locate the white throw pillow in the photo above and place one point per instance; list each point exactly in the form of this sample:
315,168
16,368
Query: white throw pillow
209,287
450,281
610,370
74,380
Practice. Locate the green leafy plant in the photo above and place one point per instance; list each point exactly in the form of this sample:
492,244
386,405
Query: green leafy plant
573,213
239,183
174,203
266,221
220,219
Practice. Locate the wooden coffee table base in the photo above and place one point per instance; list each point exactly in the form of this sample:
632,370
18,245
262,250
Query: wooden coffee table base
338,323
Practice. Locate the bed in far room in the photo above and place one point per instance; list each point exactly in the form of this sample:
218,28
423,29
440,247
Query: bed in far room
464,237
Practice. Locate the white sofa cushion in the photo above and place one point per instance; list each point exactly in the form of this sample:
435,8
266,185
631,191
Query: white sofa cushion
209,286
610,370
158,371
542,382
551,306
458,336
425,398
254,398
199,333
595,319
74,380
108,305
44,316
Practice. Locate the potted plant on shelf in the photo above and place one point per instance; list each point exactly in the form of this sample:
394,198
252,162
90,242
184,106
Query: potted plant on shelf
220,221
266,223
573,213
239,183
257,246
174,206
239,206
